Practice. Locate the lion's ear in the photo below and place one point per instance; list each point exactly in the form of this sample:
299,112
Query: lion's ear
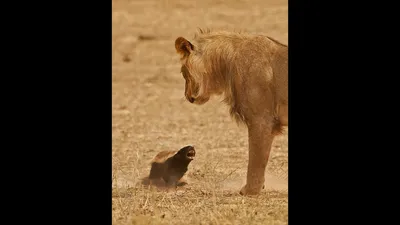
183,46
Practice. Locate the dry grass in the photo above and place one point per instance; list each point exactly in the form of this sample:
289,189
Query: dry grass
150,114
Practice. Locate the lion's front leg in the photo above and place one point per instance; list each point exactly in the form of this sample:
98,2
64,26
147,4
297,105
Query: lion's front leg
260,142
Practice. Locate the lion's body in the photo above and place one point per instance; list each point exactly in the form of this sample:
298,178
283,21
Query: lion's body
251,71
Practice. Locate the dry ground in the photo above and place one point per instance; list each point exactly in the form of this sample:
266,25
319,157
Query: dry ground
150,114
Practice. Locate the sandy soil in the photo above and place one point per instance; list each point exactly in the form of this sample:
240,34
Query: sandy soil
150,114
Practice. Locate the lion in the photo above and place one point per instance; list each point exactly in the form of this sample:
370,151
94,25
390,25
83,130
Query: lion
251,72
169,167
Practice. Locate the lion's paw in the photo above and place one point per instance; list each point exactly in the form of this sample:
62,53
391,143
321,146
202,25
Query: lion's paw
250,191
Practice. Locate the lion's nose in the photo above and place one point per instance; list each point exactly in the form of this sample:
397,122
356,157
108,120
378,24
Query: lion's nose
191,99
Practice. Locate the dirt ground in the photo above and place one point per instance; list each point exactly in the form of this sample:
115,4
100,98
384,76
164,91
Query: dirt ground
150,114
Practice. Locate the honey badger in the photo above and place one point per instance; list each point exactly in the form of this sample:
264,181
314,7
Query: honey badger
171,166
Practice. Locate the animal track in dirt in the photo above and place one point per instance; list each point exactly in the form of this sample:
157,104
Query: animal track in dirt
146,37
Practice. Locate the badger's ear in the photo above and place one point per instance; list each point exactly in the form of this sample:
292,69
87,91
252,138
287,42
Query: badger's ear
183,46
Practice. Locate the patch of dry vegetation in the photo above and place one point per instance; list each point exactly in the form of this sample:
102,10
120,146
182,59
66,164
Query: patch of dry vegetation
211,197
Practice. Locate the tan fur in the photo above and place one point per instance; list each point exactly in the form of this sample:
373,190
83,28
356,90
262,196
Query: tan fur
162,156
251,71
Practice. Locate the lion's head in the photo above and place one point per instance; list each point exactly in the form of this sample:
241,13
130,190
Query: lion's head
198,84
